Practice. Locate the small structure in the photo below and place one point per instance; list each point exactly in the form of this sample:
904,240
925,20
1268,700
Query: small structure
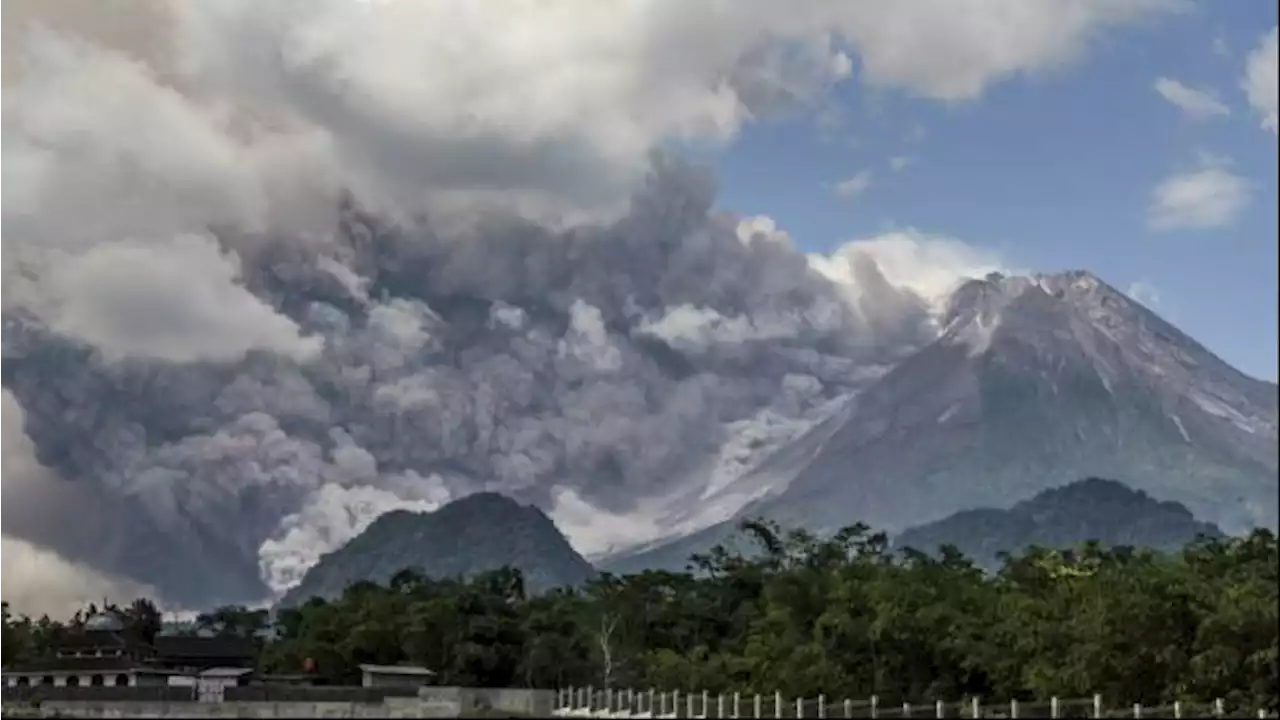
101,654
195,654
395,676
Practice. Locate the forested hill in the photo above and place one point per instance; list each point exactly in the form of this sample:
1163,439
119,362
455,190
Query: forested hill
1093,509
479,532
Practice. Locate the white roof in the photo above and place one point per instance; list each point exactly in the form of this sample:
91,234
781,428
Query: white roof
226,672
396,670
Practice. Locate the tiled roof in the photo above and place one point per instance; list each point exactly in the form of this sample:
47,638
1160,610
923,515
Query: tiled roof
95,638
71,664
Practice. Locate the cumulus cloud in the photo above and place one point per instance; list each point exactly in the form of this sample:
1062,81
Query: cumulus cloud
929,265
1260,80
1194,103
855,185
272,269
1207,197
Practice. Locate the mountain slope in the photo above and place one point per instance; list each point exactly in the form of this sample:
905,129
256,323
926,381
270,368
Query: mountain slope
479,532
1092,509
1032,384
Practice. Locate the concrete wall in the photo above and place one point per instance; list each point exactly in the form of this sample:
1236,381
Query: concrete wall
431,702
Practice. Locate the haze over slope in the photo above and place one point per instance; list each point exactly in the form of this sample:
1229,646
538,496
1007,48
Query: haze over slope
1089,510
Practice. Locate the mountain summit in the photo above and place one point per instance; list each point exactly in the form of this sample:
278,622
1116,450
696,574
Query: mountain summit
1033,383
474,534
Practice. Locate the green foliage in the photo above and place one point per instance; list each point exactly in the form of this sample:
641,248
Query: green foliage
844,617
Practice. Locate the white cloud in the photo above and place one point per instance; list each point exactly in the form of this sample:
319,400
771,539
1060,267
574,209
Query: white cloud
1208,197
854,185
1145,293
570,95
1261,79
1195,104
900,162
929,265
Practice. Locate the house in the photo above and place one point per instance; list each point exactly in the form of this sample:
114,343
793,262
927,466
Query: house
102,655
395,676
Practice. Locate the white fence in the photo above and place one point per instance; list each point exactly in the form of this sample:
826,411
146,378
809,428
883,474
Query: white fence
592,703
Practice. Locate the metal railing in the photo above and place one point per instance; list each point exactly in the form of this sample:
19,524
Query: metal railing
626,703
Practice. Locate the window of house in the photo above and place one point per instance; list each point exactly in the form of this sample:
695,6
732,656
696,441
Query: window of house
122,679
46,680
73,680
97,681
23,681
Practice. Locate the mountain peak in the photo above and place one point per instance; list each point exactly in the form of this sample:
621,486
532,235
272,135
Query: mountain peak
476,533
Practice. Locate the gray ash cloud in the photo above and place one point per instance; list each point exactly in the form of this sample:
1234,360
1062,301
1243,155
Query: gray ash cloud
516,359
268,272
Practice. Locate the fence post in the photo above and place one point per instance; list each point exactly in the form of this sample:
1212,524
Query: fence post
688,705
706,709
1137,710
777,703
799,707
974,708
848,708
822,707
662,704
608,700
1097,705
1053,707
759,707
737,699
720,705
875,707
1177,709
1013,708
939,709
1217,708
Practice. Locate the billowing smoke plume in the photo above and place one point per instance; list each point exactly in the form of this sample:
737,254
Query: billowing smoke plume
309,261
37,579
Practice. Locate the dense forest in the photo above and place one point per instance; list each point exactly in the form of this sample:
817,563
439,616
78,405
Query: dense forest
845,616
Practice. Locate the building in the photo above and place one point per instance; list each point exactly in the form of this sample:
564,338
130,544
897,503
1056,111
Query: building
102,655
395,676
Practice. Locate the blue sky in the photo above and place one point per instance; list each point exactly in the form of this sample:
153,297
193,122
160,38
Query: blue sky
1057,171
